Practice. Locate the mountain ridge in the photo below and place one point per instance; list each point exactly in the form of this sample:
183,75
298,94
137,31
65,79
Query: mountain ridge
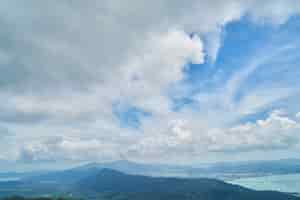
116,183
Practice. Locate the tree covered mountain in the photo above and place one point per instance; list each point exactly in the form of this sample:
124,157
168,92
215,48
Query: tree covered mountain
95,181
111,184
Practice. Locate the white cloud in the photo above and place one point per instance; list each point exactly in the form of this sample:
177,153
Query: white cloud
160,63
67,149
277,131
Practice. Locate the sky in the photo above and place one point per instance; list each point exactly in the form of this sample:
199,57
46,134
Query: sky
182,82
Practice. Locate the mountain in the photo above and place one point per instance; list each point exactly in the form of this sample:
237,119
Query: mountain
68,176
91,182
130,167
74,174
224,171
110,184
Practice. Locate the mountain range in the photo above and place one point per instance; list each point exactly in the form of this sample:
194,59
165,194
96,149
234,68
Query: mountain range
108,184
130,180
223,171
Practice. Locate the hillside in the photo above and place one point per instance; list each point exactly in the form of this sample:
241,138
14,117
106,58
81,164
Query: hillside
111,184
93,183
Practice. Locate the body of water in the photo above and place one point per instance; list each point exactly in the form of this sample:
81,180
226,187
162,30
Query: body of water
284,183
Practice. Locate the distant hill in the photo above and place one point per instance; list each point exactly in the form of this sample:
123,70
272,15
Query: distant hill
111,184
224,171
74,174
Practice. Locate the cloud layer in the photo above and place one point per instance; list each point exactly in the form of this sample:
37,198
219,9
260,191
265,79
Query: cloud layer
66,67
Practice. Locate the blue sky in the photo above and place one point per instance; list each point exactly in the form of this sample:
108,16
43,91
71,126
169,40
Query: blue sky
96,81
244,42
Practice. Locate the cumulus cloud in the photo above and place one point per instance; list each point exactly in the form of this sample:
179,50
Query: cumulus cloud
277,131
66,64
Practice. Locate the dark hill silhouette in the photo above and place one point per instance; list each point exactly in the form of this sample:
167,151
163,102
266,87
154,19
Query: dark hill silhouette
118,184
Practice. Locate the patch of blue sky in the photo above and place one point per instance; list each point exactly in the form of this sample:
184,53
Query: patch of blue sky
240,40
274,49
129,116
